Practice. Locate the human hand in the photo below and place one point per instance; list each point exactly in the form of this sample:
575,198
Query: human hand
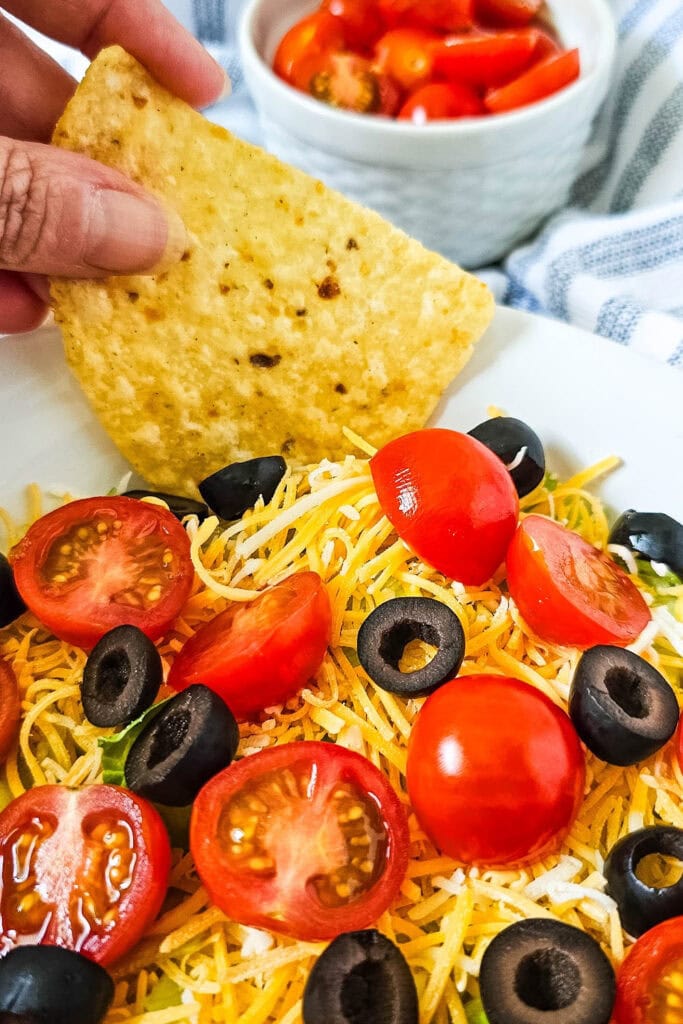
61,213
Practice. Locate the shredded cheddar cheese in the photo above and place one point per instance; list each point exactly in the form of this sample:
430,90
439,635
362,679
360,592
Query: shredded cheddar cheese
197,967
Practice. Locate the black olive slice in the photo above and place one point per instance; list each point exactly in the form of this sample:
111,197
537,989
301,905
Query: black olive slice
190,741
52,985
653,534
518,446
361,978
540,970
233,490
387,631
121,678
11,604
177,503
623,709
643,906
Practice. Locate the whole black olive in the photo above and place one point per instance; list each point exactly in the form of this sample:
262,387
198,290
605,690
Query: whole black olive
643,906
518,446
623,709
653,534
541,969
361,978
233,490
11,604
121,678
177,503
190,741
52,985
387,631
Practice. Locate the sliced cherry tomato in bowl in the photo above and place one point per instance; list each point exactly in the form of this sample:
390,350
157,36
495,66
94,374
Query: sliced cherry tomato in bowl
508,12
10,708
259,653
98,563
442,15
405,54
569,592
351,82
495,771
450,498
305,46
360,20
307,838
85,869
650,981
485,60
441,101
541,80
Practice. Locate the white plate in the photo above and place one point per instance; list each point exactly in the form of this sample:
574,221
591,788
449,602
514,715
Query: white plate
585,397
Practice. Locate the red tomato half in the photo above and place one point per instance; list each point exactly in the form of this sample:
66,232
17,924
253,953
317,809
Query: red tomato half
260,653
650,982
680,742
103,562
405,54
441,101
569,592
10,708
495,771
450,498
85,869
443,15
305,46
360,21
350,82
308,839
485,60
542,80
508,12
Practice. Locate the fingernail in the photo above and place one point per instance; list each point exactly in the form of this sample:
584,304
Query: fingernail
227,87
132,235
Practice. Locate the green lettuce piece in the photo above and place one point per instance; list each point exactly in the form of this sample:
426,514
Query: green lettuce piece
165,993
653,579
115,748
474,1012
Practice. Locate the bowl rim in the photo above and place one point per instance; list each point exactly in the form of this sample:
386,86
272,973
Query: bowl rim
308,106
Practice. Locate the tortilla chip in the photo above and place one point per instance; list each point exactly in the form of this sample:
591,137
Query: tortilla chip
295,311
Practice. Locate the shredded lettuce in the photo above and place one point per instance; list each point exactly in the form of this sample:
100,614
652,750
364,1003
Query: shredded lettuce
115,749
474,1012
166,993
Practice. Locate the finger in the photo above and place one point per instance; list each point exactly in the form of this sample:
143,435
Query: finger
66,215
20,308
143,27
33,88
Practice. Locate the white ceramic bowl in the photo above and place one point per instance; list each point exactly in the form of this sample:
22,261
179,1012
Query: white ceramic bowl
472,188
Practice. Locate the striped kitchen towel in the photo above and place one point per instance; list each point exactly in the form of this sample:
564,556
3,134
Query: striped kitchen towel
612,262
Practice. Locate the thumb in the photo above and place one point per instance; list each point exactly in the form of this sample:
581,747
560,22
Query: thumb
66,215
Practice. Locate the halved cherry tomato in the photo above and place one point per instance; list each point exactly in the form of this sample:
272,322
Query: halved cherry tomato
305,46
569,592
439,101
485,60
495,771
406,55
680,742
508,12
10,708
450,498
350,82
360,20
307,838
446,15
259,653
85,869
101,562
650,982
542,80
